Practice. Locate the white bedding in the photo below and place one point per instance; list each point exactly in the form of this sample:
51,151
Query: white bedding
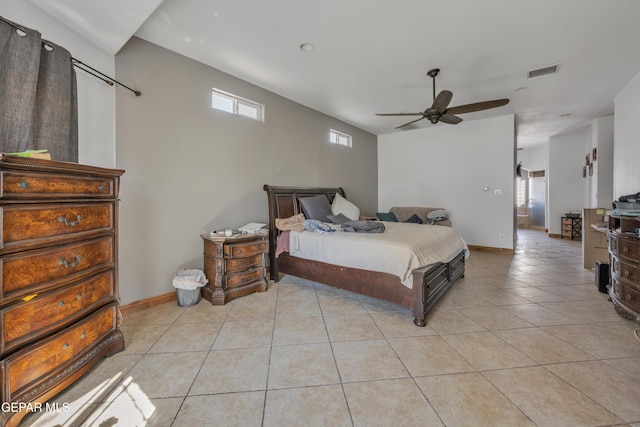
402,248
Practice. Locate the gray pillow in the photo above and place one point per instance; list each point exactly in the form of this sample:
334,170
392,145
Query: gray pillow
415,219
316,207
339,219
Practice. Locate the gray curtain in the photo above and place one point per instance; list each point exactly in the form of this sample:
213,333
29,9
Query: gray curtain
38,95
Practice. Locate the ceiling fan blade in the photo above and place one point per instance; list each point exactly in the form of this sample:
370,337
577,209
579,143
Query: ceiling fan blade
478,106
399,114
450,118
442,100
413,121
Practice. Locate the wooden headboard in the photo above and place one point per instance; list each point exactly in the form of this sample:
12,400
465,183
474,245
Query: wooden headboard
285,202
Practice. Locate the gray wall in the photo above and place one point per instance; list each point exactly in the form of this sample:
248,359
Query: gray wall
191,169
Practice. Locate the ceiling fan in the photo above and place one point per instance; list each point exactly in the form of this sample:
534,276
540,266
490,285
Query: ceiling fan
438,112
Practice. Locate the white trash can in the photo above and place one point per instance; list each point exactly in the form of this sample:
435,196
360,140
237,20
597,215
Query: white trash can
188,283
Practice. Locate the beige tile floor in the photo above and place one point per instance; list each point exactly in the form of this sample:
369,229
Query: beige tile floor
522,340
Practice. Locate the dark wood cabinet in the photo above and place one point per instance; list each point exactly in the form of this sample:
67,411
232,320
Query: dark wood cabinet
59,310
624,253
234,266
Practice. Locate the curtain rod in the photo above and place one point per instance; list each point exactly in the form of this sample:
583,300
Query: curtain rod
77,63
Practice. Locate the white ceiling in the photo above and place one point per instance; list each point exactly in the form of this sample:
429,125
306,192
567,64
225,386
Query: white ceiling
371,56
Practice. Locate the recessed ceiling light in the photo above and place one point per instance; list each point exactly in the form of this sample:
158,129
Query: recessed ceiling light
307,47
521,89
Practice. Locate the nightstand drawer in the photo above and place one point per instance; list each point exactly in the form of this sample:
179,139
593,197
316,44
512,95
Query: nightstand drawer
34,185
242,264
242,250
30,319
244,277
32,363
38,270
30,225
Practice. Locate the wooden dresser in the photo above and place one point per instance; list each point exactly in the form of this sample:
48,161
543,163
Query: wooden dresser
59,310
624,252
234,266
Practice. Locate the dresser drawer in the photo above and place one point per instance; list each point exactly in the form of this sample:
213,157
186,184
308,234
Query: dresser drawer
242,250
38,270
629,273
27,320
631,297
35,362
245,277
30,225
241,264
34,185
628,249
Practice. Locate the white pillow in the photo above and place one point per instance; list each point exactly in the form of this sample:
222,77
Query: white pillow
342,206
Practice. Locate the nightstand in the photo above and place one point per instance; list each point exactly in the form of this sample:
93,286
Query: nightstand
234,266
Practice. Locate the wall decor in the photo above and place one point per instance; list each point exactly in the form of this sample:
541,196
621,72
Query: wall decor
590,169
584,171
594,154
587,159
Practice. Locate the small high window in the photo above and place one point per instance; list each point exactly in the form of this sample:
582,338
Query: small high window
233,104
339,138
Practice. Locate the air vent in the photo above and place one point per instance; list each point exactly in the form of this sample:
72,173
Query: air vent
551,69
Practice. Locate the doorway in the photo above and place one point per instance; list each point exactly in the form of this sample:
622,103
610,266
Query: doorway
531,196
537,200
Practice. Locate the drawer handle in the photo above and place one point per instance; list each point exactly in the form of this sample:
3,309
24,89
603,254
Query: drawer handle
629,297
61,304
23,184
101,187
70,223
625,249
70,264
79,296
627,273
65,346
84,335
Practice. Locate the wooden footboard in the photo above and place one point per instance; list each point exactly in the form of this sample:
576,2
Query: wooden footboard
429,283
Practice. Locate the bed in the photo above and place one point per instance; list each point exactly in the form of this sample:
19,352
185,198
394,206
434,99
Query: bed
423,287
